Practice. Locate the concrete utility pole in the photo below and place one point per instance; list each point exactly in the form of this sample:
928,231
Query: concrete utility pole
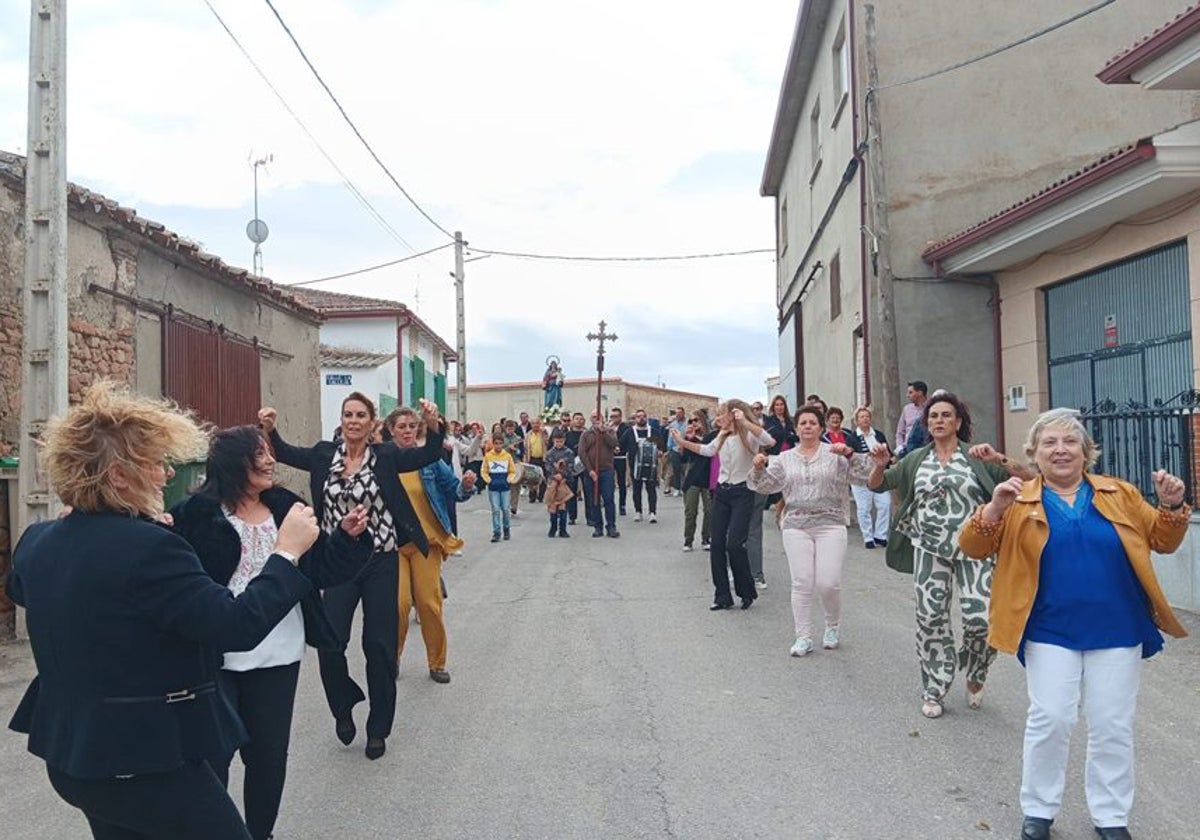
44,294
889,356
460,346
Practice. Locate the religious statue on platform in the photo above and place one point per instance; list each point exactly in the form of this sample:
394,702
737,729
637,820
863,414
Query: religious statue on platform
552,382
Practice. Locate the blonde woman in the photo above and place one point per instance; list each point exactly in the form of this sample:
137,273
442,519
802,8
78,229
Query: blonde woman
1075,598
737,442
874,509
127,629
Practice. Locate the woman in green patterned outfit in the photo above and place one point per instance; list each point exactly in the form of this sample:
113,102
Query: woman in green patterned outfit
939,485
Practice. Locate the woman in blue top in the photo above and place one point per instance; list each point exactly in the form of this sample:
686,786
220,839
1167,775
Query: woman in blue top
1074,595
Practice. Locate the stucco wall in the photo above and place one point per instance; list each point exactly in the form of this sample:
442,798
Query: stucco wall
958,147
378,335
291,385
370,382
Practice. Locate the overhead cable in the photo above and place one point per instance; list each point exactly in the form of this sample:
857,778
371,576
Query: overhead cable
371,267
657,258
1025,40
350,123
358,194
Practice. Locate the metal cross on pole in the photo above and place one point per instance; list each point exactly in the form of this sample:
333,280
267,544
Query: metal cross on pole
602,337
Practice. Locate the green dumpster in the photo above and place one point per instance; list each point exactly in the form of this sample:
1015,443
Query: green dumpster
186,479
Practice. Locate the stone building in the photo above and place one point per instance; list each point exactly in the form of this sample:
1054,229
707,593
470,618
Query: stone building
150,308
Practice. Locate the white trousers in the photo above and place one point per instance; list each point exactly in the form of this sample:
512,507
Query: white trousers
867,501
1108,680
815,558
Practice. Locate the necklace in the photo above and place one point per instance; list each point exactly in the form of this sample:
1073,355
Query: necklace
1070,492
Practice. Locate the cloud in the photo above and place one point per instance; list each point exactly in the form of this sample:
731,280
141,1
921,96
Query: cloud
532,125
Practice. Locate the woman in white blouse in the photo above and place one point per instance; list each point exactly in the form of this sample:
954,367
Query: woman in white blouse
738,441
864,437
231,522
813,477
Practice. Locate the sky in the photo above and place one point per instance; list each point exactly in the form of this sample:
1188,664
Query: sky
628,128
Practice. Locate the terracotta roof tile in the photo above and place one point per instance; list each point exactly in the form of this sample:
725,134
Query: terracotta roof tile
1110,163
340,302
350,358
1120,67
81,199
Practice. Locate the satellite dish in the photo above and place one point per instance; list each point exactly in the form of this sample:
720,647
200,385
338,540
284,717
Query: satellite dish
256,231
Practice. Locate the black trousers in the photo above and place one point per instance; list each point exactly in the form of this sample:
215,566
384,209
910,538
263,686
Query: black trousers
377,586
263,699
573,504
186,804
651,485
619,464
731,511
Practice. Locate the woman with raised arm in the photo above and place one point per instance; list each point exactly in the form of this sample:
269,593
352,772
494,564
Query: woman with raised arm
938,486
431,490
737,443
127,629
813,477
343,476
1076,599
232,521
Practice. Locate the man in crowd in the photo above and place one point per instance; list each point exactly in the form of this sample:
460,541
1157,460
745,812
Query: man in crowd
596,447
620,459
642,442
574,433
674,454
524,425
911,415
536,444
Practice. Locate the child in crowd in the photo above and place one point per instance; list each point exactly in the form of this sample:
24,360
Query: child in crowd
558,493
499,474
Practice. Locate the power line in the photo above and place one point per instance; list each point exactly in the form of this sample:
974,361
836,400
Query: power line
371,267
350,123
354,190
1032,36
659,258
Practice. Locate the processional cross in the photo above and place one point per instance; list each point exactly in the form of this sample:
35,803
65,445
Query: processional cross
602,337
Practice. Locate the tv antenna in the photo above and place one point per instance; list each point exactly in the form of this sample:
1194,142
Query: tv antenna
256,230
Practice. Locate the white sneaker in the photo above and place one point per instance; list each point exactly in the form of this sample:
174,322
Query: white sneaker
653,518
637,517
802,646
687,548
830,640
760,584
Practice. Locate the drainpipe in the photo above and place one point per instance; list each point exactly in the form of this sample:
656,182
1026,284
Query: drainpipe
865,306
403,322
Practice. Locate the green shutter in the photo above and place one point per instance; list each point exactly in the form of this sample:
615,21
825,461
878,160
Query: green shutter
439,391
418,380
386,403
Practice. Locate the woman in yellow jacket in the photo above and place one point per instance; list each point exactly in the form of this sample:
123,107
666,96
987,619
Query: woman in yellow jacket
1075,597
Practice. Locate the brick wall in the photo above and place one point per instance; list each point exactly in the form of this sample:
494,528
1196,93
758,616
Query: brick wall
97,353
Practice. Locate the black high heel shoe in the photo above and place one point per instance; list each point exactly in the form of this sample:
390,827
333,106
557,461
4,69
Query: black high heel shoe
345,730
376,747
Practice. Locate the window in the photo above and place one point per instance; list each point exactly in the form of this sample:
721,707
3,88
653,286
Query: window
814,130
835,287
841,67
783,228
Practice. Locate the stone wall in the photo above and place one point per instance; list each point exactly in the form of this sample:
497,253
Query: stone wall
7,610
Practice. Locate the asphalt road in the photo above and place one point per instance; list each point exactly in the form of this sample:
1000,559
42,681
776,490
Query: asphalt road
595,696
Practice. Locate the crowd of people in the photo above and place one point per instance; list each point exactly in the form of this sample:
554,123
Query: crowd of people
213,602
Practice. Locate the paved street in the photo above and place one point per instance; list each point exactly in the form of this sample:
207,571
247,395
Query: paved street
595,696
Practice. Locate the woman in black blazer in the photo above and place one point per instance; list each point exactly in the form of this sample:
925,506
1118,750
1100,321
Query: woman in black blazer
230,522
342,475
126,627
